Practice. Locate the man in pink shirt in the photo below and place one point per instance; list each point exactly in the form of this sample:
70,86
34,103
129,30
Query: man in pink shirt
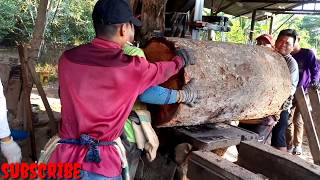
98,87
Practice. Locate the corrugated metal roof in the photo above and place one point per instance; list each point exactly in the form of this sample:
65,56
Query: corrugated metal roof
245,7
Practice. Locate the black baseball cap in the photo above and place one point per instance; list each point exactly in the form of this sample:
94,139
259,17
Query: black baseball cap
113,12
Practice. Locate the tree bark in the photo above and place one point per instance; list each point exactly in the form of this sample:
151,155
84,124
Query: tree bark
236,82
39,29
153,17
134,5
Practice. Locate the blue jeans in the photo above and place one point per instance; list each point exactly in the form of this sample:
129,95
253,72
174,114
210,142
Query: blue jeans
85,175
278,138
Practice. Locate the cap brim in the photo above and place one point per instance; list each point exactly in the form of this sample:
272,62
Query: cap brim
135,21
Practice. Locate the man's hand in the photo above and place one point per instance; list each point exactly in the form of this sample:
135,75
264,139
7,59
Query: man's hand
11,151
189,94
315,85
187,55
287,103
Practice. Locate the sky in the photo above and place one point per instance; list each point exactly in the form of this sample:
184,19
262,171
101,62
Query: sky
310,6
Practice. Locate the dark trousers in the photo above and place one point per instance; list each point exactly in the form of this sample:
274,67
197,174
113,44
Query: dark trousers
278,138
133,156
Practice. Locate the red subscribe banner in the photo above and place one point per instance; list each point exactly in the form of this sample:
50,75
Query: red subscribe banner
42,171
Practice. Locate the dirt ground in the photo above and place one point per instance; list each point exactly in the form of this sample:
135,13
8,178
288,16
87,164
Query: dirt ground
53,98
41,132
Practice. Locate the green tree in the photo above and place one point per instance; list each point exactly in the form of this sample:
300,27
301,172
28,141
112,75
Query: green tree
70,22
17,20
311,25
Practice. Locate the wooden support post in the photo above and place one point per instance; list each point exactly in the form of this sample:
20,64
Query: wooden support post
315,104
207,166
253,22
27,111
308,125
275,164
35,78
271,25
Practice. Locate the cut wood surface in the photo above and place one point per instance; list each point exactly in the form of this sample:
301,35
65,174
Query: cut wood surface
236,82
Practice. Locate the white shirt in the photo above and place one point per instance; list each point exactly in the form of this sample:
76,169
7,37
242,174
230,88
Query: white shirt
294,72
4,126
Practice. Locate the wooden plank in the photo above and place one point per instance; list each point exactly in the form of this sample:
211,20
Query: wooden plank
26,108
315,103
275,164
208,166
308,125
35,78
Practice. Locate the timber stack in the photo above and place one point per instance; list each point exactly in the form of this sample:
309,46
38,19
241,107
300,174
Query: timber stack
235,81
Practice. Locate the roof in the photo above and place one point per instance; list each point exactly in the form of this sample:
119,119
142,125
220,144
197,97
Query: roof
264,7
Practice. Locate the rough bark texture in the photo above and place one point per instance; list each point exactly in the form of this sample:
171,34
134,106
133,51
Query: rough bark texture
38,32
153,17
134,5
236,82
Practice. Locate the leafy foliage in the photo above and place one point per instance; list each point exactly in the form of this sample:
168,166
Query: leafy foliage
69,21
17,20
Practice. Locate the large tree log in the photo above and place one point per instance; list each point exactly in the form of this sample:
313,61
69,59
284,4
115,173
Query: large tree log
236,82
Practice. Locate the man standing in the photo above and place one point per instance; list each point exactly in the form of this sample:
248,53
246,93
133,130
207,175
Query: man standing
284,45
9,148
98,87
135,132
308,77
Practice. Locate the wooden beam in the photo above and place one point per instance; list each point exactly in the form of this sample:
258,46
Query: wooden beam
308,125
315,104
293,13
35,78
288,10
275,164
251,10
253,22
26,91
224,7
271,25
208,166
